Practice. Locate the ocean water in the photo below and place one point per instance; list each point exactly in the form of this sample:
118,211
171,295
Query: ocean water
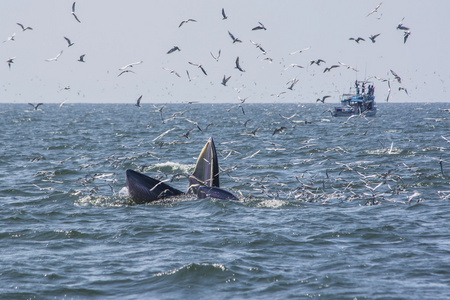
329,208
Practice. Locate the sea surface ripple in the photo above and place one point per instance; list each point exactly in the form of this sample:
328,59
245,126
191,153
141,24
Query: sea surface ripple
330,208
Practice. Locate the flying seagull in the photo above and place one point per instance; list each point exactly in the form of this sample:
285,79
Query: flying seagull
81,59
406,35
73,13
172,71
36,106
317,62
375,9
199,66
238,66
373,37
260,27
56,57
225,80
215,57
330,68
323,99
358,39
10,38
138,102
10,61
125,71
299,51
130,65
399,79
24,28
401,27
258,46
293,82
70,44
224,16
186,21
174,48
235,40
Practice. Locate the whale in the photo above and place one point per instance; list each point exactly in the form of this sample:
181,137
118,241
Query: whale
203,182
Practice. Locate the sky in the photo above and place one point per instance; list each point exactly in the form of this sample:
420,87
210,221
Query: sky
113,34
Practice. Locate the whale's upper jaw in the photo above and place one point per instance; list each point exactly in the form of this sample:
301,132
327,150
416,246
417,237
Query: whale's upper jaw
145,189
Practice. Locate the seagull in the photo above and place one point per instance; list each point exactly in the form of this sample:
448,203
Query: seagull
373,37
396,76
348,66
357,39
224,16
235,40
198,65
125,71
401,27
81,59
317,62
258,46
61,104
277,130
55,58
10,61
225,80
330,68
172,71
299,51
215,57
24,28
278,95
186,21
293,82
10,38
389,90
259,27
131,65
160,110
174,48
400,88
138,102
73,13
70,44
238,66
323,99
406,35
375,9
293,65
36,106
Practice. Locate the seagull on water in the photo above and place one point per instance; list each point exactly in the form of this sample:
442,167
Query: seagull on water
36,106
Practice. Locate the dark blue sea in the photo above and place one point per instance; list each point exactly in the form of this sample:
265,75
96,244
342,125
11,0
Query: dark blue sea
329,208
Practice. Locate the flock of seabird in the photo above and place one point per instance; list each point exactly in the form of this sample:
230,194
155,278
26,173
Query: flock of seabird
129,68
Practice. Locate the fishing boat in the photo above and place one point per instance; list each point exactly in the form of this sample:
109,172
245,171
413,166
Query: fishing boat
359,101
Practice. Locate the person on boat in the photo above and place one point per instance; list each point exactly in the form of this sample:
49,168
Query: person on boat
357,87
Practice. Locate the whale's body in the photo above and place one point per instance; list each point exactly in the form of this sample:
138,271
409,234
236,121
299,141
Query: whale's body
203,182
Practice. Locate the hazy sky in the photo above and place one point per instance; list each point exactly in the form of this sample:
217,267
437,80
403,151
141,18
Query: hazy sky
113,34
